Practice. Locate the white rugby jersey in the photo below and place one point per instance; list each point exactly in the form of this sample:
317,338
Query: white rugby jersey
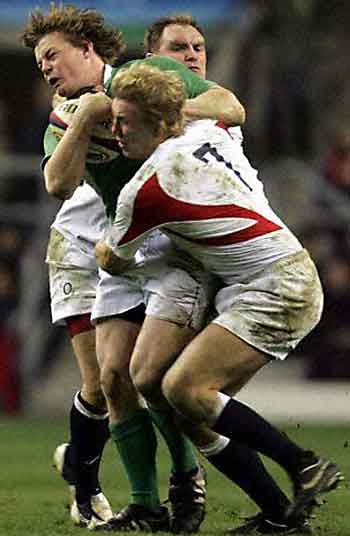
82,221
201,190
83,216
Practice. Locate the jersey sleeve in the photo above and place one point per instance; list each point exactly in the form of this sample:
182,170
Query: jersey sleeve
194,85
50,143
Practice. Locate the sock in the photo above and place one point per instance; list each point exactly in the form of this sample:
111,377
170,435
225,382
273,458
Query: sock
240,423
244,467
136,443
89,434
181,450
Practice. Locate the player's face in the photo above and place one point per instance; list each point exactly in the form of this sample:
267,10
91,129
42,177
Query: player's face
66,68
135,137
186,45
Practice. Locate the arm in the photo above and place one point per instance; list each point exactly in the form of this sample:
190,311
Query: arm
66,166
216,103
206,99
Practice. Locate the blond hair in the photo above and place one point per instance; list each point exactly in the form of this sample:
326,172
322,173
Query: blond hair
78,26
160,95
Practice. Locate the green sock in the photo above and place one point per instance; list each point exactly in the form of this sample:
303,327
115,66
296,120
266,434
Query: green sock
182,452
136,443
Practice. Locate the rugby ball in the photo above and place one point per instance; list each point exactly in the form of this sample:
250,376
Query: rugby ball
103,146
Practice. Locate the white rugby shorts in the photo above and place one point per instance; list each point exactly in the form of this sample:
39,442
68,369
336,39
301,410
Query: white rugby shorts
169,294
172,287
72,291
73,276
274,309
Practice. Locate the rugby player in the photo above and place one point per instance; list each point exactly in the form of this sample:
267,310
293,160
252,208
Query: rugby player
198,188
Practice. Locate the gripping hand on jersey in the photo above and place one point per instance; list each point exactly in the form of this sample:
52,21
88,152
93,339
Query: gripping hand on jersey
109,261
93,108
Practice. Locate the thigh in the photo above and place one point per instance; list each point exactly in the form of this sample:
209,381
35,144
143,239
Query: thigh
177,305
217,360
115,339
158,345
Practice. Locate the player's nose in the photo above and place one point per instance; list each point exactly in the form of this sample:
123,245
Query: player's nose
191,53
45,67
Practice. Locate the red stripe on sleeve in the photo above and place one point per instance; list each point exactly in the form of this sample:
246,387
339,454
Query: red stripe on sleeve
57,121
153,208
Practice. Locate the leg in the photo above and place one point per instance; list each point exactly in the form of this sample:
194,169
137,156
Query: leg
192,386
84,347
197,375
130,424
115,339
79,461
156,348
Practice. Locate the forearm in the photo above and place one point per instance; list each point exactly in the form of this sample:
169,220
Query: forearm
66,167
216,103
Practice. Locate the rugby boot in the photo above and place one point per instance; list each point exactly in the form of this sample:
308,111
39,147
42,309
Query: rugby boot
135,518
187,496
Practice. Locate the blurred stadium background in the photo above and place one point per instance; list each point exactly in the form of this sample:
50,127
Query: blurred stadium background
288,63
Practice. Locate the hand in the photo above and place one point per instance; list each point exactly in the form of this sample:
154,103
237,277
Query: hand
110,262
94,107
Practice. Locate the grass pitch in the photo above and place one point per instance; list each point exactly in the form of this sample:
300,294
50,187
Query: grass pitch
33,498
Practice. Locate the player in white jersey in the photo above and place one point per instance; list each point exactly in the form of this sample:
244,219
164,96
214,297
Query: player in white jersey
199,189
73,278
49,56
79,223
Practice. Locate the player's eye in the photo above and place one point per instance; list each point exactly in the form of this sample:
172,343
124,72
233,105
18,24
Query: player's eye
178,47
51,55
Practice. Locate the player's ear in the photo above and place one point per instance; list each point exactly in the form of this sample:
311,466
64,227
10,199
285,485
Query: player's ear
87,47
163,130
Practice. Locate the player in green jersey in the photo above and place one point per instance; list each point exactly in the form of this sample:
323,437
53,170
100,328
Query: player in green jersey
109,178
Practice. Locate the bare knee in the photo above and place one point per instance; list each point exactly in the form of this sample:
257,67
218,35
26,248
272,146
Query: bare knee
196,402
177,391
146,381
146,373
114,379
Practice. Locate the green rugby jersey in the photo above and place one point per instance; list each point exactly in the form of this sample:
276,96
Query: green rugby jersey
109,178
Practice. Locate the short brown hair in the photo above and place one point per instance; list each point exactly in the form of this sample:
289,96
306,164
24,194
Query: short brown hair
77,25
154,32
160,95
